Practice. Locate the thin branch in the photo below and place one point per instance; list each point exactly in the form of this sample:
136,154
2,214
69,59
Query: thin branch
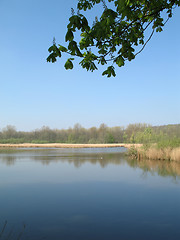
145,43
3,229
111,59
150,38
166,21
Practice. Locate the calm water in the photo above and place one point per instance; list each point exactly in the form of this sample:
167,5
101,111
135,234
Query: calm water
87,194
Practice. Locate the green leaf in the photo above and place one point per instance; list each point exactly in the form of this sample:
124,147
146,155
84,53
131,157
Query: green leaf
119,61
85,24
74,49
69,35
114,34
110,71
52,48
68,64
159,29
62,49
93,66
51,58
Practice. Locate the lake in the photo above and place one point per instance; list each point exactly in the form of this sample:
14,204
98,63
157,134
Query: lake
87,194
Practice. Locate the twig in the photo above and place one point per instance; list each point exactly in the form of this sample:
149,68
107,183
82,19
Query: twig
3,229
145,43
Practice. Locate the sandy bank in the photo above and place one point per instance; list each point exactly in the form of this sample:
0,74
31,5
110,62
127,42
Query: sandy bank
64,145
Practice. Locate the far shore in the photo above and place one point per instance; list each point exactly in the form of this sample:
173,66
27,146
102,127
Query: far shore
68,145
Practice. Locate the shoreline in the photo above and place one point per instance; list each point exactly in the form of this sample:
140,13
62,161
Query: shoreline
68,145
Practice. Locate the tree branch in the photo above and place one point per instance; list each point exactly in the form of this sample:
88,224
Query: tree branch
145,43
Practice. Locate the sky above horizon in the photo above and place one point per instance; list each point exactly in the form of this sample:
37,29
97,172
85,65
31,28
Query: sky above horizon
35,93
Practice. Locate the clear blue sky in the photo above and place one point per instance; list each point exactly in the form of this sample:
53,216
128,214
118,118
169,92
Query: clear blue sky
36,93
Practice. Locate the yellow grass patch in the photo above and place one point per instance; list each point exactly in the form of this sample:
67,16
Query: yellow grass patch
65,145
160,154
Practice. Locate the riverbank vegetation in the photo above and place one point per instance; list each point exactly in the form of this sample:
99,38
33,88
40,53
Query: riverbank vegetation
154,152
164,136
166,147
159,142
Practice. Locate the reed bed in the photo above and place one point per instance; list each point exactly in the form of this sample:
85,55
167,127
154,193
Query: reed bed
68,145
172,154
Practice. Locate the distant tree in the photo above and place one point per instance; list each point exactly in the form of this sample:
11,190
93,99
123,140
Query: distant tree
134,128
117,133
133,133
9,132
125,138
102,131
78,133
109,138
93,135
46,134
114,36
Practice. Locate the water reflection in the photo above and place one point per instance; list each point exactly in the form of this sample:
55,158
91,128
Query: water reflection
162,168
8,160
78,160
87,194
78,157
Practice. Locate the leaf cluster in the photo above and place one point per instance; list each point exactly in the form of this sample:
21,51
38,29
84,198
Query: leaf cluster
114,37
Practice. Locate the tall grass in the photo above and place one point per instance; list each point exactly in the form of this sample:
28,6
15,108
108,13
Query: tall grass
162,153
169,150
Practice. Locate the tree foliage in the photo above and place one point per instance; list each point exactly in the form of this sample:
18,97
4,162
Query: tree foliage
133,133
115,36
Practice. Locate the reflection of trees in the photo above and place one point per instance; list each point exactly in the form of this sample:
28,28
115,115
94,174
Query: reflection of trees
162,168
78,159
8,160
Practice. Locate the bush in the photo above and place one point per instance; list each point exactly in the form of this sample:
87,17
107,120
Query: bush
12,140
172,143
39,141
132,152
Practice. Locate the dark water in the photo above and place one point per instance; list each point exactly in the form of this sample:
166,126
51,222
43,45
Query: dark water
87,194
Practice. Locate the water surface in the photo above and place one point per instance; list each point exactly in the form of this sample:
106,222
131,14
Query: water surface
87,194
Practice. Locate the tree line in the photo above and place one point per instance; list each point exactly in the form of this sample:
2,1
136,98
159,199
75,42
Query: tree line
133,133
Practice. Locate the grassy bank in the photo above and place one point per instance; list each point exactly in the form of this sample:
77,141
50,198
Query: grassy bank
164,150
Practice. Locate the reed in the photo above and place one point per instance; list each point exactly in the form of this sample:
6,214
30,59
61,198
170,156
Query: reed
175,154
6,234
168,153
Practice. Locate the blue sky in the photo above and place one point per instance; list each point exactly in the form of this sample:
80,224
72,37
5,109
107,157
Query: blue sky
36,93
